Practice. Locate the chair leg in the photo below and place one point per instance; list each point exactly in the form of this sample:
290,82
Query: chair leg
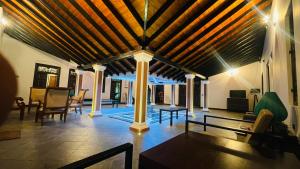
80,109
29,107
61,116
75,109
36,116
65,117
42,120
52,115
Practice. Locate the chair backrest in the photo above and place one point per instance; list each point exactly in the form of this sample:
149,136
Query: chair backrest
37,94
81,94
262,123
56,98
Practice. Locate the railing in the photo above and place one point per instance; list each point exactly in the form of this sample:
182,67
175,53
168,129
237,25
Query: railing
86,162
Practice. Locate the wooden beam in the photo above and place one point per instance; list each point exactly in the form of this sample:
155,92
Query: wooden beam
115,12
159,12
109,24
177,14
134,12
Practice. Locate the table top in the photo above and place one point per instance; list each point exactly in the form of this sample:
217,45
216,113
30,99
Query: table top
196,150
173,109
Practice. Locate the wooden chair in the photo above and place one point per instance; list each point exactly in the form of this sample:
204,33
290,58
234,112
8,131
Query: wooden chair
36,95
56,101
77,101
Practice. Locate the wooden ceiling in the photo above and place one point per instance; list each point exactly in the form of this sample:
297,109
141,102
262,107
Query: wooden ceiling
185,35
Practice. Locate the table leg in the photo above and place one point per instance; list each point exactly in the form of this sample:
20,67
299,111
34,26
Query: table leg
159,116
171,120
177,114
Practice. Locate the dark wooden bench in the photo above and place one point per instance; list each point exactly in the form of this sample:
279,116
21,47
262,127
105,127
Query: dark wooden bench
20,105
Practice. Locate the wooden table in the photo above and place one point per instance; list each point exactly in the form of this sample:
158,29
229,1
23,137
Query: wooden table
201,151
171,110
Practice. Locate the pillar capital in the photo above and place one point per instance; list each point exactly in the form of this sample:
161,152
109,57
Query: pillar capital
79,72
143,56
98,67
190,76
205,81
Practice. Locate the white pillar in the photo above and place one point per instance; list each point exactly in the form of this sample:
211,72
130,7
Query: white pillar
153,95
141,90
97,90
173,96
2,27
204,98
190,93
129,96
79,77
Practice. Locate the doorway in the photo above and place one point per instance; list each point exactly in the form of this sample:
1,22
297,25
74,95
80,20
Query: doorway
46,76
159,94
72,81
51,80
115,91
182,96
197,96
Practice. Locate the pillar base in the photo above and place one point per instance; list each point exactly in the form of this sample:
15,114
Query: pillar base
95,114
172,106
205,109
192,114
139,127
129,105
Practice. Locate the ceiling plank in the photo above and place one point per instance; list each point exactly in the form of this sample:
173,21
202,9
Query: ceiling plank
134,12
115,12
159,12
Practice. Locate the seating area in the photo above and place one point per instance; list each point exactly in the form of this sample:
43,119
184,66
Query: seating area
150,84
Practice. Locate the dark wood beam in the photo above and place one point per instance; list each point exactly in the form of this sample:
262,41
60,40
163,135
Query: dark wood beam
159,12
134,12
115,12
177,14
109,24
187,22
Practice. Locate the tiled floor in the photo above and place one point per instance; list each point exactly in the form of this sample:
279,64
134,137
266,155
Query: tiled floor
56,143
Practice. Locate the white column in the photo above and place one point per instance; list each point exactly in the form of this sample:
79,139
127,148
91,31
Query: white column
97,90
173,96
190,93
129,96
2,26
79,77
141,91
153,95
204,98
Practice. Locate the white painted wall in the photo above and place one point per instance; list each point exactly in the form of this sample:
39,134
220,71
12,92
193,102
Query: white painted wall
23,59
167,94
248,77
276,45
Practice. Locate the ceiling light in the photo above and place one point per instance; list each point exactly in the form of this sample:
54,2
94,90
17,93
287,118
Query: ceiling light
232,71
266,19
3,21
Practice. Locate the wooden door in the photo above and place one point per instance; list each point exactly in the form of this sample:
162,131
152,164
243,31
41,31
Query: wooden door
52,81
159,94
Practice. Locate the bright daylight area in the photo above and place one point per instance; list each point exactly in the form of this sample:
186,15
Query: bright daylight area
150,84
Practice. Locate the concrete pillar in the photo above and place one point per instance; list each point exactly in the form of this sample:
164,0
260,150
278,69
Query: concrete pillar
2,27
153,95
129,96
173,96
141,90
79,77
97,90
190,93
204,98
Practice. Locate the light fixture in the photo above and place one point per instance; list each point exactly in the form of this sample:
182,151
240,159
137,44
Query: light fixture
232,71
266,19
3,21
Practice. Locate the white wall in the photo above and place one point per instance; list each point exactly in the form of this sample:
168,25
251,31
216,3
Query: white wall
248,77
276,45
23,59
